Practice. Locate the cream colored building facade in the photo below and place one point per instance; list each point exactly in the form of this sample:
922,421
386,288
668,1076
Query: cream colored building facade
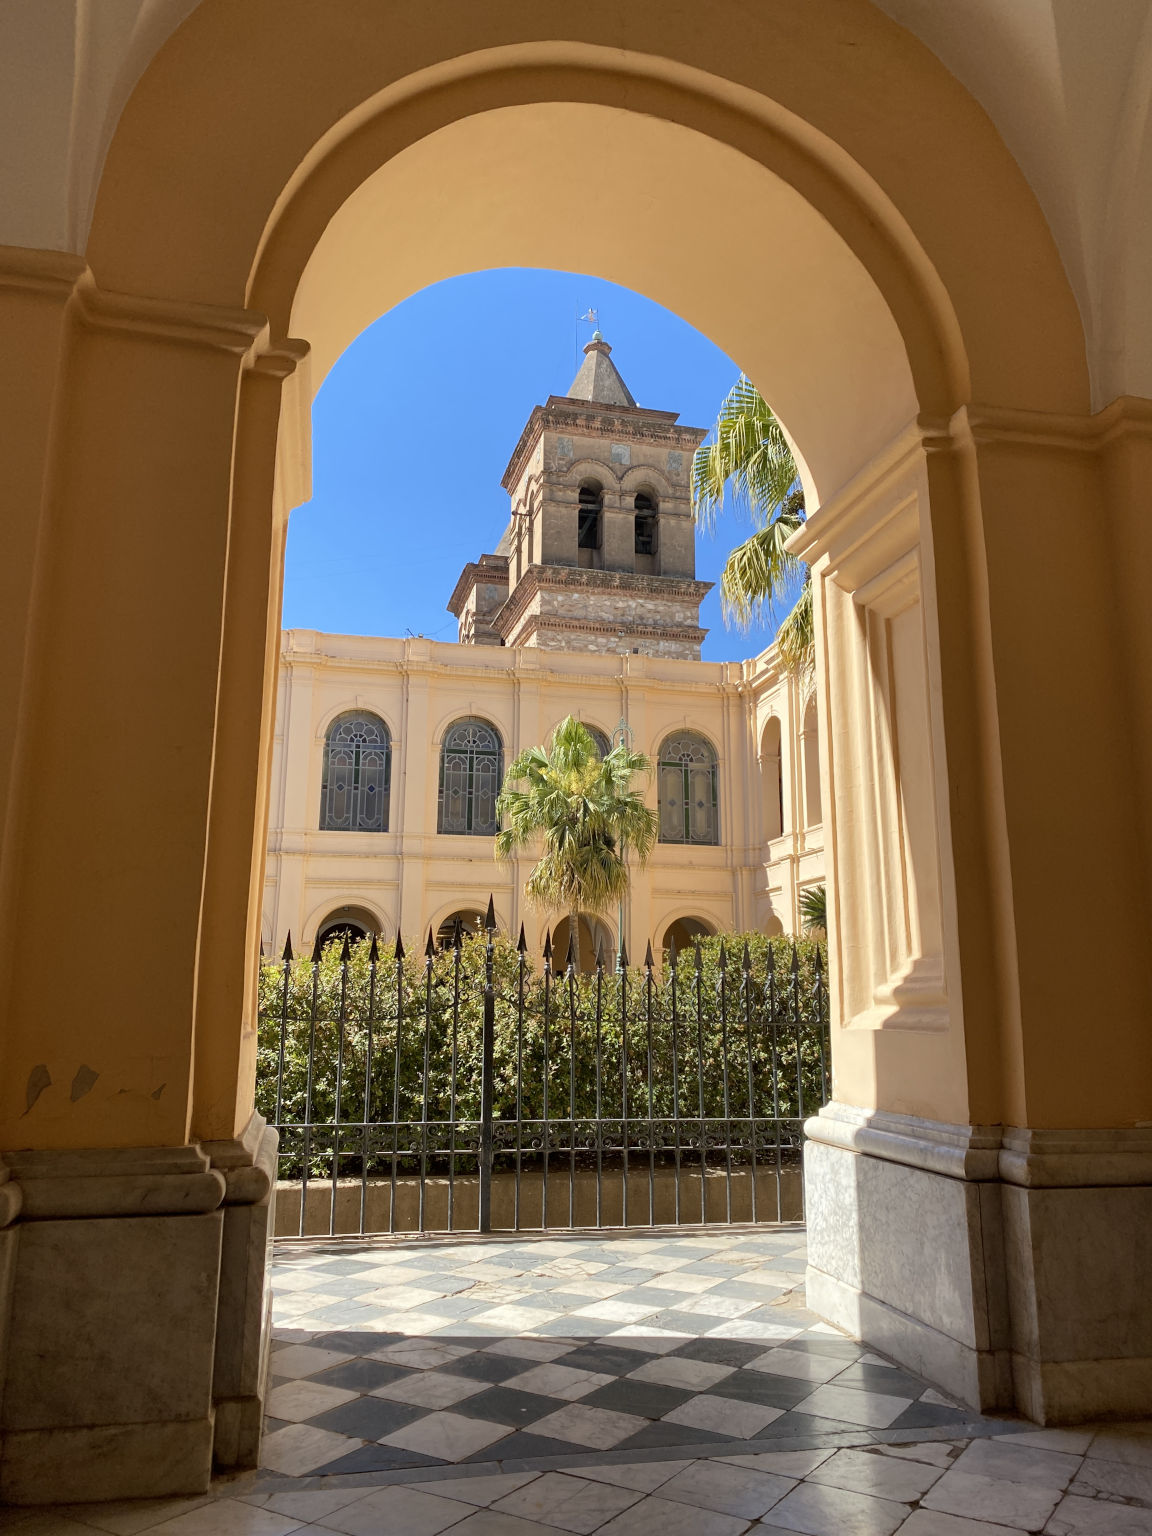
411,876
388,752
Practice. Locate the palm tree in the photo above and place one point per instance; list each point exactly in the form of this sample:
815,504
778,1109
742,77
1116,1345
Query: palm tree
588,814
814,908
749,456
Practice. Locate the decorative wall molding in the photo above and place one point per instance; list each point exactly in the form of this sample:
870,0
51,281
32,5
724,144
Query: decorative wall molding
123,1181
1029,1158
48,274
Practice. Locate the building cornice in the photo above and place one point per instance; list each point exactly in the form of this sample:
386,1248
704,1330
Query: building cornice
536,622
524,665
491,568
572,578
590,419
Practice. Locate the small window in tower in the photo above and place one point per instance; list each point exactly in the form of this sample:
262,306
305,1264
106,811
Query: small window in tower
646,535
588,514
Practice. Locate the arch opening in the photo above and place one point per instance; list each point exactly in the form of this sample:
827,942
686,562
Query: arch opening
684,932
353,922
593,936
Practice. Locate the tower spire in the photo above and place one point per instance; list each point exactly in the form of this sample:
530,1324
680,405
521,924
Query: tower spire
599,379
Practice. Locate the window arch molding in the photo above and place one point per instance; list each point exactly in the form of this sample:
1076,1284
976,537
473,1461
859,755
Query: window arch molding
581,471
354,910
471,773
471,909
356,773
638,478
687,778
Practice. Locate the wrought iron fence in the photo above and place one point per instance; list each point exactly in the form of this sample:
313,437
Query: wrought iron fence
476,1091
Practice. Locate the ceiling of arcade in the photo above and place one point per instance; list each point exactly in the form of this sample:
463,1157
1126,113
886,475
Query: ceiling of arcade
1069,96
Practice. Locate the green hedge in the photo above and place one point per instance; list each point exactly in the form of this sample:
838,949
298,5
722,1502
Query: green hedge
328,1013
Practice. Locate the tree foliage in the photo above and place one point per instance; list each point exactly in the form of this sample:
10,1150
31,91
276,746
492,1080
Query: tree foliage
586,812
748,459
400,1043
814,908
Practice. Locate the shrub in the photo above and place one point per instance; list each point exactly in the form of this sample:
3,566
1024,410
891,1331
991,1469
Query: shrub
695,1042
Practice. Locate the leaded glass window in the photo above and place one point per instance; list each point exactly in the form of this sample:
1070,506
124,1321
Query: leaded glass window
471,768
357,775
603,745
687,790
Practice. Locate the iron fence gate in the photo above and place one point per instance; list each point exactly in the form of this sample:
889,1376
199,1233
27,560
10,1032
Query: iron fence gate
477,1091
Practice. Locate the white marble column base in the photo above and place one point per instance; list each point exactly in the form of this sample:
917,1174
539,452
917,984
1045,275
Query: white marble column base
134,1317
1009,1267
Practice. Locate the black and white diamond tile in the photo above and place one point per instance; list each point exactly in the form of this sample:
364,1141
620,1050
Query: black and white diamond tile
395,1355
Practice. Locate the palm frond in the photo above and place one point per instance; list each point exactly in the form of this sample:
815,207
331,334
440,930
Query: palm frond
585,813
796,637
814,908
748,458
756,572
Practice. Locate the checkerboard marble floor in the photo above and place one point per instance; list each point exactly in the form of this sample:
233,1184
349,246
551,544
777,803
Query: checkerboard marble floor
664,1383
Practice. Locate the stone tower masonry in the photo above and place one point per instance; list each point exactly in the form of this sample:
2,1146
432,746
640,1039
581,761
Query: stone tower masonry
600,551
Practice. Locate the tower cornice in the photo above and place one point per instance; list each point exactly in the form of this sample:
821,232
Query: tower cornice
569,578
561,413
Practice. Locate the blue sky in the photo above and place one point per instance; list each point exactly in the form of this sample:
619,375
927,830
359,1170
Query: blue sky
415,424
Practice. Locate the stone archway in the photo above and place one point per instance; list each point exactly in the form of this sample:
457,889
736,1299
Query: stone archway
933,380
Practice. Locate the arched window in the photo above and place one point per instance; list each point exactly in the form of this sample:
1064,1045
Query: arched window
471,770
647,538
687,790
589,515
773,782
810,759
357,775
603,745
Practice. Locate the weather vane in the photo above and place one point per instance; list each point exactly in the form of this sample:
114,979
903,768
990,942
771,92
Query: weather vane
590,317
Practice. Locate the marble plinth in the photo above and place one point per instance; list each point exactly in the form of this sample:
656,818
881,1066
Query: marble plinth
1008,1267
133,1318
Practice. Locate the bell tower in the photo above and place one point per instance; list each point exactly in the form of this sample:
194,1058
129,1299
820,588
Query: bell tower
600,551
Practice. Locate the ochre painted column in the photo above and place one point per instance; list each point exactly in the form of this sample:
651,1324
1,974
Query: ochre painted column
980,1190
227,974
137,1179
